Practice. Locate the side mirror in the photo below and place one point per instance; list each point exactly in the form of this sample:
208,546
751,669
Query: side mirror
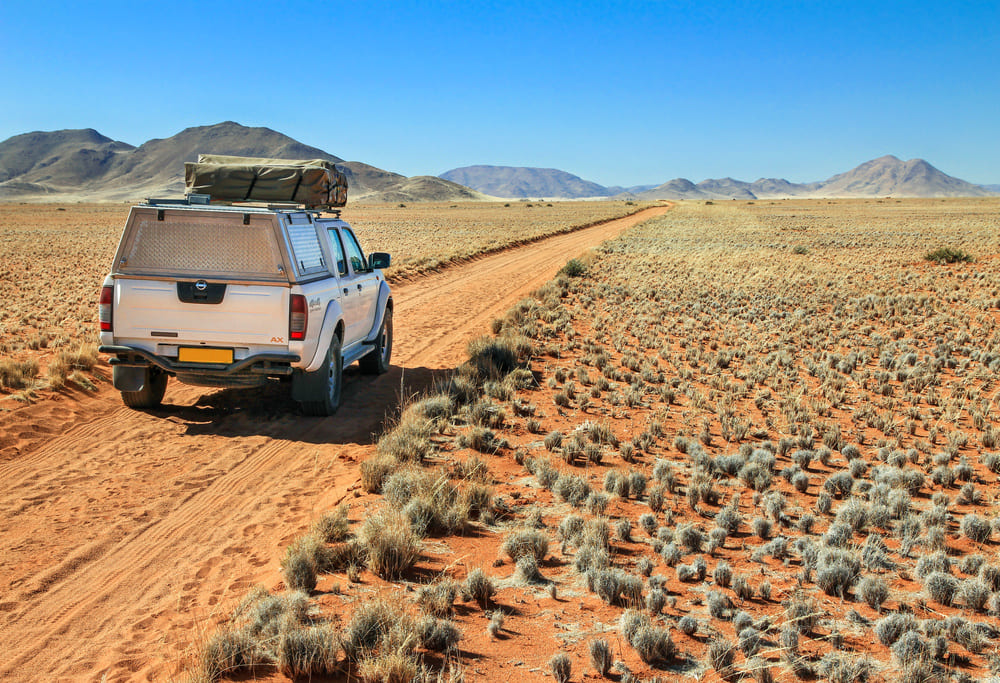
379,260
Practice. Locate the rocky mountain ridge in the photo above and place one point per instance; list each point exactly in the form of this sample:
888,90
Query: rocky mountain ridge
85,165
882,177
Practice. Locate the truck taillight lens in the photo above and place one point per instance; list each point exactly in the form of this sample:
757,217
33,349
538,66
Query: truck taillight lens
107,295
297,318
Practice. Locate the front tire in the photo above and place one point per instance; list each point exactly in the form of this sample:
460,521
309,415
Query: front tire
328,400
151,395
377,360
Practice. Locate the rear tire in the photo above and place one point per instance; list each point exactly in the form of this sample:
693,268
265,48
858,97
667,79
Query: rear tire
151,394
333,370
377,360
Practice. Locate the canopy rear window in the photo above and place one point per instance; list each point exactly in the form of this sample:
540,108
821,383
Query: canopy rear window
305,247
201,245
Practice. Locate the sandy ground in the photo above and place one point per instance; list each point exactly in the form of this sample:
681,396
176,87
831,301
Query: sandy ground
125,534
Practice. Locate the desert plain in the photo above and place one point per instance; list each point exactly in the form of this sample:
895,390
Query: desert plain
699,440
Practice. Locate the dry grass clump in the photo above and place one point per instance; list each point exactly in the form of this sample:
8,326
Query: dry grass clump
479,587
438,598
18,374
299,565
600,656
228,651
526,542
429,499
308,651
392,546
280,630
333,527
560,667
378,641
67,362
948,255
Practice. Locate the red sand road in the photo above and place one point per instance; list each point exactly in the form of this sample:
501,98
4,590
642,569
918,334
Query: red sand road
126,533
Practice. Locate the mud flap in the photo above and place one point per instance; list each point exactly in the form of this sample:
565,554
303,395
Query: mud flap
306,386
128,379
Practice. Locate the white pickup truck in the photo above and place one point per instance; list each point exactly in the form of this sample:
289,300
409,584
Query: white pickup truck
235,296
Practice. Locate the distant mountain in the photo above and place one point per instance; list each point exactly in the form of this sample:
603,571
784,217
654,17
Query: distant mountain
426,188
64,159
678,188
84,164
618,189
885,176
767,188
889,176
726,187
882,177
519,182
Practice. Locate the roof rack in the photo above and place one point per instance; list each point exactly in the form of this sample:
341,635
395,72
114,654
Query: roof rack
194,199
186,200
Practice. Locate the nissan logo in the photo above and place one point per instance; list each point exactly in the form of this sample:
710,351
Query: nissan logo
201,285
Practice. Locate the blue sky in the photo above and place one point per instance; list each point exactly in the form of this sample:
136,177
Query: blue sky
616,92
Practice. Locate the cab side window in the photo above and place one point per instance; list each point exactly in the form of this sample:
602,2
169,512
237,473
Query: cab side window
354,253
338,250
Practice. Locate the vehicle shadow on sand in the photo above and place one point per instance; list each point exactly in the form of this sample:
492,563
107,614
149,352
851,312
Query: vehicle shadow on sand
368,405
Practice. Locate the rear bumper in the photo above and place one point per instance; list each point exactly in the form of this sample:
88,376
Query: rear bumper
270,364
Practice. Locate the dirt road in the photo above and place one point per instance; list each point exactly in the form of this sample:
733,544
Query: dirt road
125,534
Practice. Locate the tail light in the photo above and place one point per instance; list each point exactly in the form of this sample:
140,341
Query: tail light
297,318
105,308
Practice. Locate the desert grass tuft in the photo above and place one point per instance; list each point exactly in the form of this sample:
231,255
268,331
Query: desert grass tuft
391,544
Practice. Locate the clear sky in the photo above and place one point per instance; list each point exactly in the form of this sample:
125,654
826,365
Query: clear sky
621,93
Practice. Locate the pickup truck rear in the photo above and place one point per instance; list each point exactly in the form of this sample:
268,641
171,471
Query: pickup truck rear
236,296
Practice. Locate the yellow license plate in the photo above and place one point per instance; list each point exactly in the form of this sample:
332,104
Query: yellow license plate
187,354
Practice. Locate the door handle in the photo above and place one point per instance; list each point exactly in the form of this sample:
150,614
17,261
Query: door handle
359,288
345,290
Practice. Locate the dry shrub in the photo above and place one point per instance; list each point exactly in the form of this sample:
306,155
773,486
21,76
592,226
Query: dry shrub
431,502
409,439
67,362
375,470
437,635
560,666
392,546
600,656
479,587
308,651
496,357
526,542
18,374
948,255
299,566
228,651
368,625
389,667
333,526
438,598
